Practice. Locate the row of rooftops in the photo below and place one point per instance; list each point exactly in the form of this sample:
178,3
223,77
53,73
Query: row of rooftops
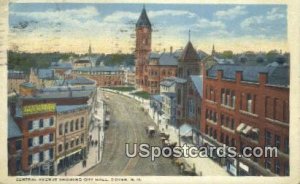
278,76
100,69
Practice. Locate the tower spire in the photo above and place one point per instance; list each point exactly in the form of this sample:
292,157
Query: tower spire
189,35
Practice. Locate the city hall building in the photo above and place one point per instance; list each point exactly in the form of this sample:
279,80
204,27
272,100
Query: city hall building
247,106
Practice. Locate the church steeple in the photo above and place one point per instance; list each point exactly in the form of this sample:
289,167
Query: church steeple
213,52
143,20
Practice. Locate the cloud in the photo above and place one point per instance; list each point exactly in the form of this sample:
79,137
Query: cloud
121,16
231,13
205,23
252,22
275,14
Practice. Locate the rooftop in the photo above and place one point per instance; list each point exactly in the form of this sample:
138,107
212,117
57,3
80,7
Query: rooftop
13,128
14,74
79,80
68,108
198,83
276,75
58,65
165,58
99,69
45,73
143,20
189,53
169,81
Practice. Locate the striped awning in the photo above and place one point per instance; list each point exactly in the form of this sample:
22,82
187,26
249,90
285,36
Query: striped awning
240,127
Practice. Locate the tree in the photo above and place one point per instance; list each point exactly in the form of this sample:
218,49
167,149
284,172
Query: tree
228,54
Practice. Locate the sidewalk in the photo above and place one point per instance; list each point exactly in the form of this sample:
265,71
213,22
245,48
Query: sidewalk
204,166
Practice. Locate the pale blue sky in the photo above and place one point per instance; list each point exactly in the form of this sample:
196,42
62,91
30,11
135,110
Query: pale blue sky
109,27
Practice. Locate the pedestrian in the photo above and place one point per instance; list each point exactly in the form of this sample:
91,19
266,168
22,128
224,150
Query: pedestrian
92,142
96,143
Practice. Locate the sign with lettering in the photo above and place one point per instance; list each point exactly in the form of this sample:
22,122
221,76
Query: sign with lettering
39,108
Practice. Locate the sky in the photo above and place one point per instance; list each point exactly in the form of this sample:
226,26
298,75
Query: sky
109,28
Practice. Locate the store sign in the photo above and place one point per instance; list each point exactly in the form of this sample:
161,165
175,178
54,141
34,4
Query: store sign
39,108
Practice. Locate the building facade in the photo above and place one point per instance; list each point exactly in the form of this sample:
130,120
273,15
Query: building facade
189,64
15,78
151,68
248,106
71,135
37,124
104,76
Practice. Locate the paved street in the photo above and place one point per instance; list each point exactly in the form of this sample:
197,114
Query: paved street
128,126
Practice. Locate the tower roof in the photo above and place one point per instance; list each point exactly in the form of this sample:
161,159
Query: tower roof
143,20
189,53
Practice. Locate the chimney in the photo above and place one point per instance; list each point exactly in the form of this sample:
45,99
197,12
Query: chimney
171,50
263,78
219,74
239,76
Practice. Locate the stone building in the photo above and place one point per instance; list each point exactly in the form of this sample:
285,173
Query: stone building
248,106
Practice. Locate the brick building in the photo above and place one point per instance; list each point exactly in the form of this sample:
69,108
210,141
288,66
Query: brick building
71,135
248,106
151,68
104,76
37,124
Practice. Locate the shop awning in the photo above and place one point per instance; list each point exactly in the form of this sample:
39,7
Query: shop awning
247,130
240,127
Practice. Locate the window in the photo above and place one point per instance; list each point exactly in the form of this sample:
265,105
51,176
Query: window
51,153
18,145
82,138
41,123
60,148
223,96
82,122
277,167
30,140
232,124
66,127
30,127
286,169
29,160
249,103
60,129
66,146
232,142
222,137
72,143
18,164
41,139
51,137
72,126
215,134
286,145
233,99
277,141
51,121
267,163
41,156
268,138
77,141
179,96
222,119
77,124
227,101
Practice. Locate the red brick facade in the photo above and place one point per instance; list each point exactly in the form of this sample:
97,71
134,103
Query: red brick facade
262,107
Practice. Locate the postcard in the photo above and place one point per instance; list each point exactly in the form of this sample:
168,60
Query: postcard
143,92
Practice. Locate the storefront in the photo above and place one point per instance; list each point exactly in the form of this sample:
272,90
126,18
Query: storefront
71,159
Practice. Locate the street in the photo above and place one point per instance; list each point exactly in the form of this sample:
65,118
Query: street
127,125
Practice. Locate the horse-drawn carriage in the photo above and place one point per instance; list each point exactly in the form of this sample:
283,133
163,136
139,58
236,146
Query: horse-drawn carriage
150,130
